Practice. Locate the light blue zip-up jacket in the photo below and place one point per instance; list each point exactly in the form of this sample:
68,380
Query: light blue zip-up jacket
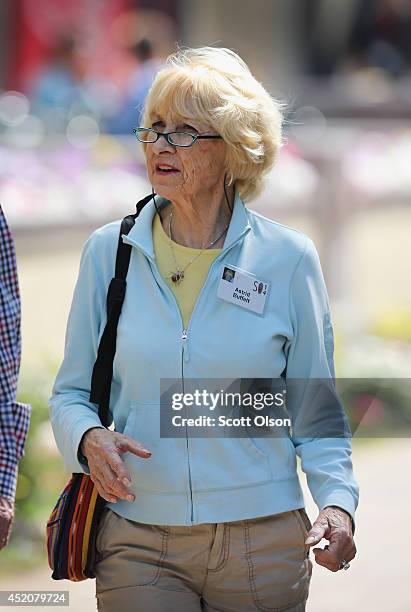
191,480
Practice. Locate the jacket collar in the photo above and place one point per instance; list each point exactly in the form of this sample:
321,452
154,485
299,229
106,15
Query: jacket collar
141,237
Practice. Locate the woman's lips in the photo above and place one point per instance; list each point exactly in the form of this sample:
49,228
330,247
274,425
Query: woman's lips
165,169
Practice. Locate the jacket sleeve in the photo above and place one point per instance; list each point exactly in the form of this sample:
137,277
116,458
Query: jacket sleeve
71,412
325,458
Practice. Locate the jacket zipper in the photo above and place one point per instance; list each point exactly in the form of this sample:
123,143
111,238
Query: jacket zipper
184,333
185,356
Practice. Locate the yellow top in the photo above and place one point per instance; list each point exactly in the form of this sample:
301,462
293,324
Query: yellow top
187,291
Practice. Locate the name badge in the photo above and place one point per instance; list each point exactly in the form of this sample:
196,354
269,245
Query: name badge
243,288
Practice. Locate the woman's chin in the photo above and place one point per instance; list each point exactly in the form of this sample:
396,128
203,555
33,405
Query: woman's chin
164,191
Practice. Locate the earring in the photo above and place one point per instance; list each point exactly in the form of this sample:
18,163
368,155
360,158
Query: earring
228,181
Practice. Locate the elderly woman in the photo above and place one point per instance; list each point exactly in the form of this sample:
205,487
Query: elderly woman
215,523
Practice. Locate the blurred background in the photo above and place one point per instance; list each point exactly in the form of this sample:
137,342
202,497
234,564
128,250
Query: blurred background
73,79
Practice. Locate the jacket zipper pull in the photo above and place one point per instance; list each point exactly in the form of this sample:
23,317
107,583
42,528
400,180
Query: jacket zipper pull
184,337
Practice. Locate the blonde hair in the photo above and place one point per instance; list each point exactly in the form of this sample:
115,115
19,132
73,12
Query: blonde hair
214,85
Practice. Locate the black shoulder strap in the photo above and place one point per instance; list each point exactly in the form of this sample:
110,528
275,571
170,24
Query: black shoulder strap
103,367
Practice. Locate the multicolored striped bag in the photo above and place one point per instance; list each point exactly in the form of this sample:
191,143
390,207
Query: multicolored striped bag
72,530
73,524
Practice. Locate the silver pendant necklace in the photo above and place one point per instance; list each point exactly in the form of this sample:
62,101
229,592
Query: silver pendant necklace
178,275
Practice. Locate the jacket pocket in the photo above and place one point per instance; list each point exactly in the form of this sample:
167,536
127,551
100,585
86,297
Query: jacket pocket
164,471
130,423
227,463
280,453
253,449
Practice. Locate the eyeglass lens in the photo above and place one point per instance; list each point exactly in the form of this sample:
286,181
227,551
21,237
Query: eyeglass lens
180,139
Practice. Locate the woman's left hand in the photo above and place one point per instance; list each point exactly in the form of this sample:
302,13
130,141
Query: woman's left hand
334,525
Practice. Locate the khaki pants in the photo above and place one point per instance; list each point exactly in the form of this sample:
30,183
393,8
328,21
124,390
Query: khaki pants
256,564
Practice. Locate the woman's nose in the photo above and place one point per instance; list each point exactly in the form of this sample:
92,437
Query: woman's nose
162,144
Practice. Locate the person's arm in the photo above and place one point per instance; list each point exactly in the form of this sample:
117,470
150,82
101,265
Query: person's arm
325,459
71,412
14,425
14,417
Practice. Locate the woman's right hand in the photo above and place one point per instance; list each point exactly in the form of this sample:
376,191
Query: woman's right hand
103,449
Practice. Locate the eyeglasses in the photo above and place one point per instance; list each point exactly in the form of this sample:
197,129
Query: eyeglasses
176,139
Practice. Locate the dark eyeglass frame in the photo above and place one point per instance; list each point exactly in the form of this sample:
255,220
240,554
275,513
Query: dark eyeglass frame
167,135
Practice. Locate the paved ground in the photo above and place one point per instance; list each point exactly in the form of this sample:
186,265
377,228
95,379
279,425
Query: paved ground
379,577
